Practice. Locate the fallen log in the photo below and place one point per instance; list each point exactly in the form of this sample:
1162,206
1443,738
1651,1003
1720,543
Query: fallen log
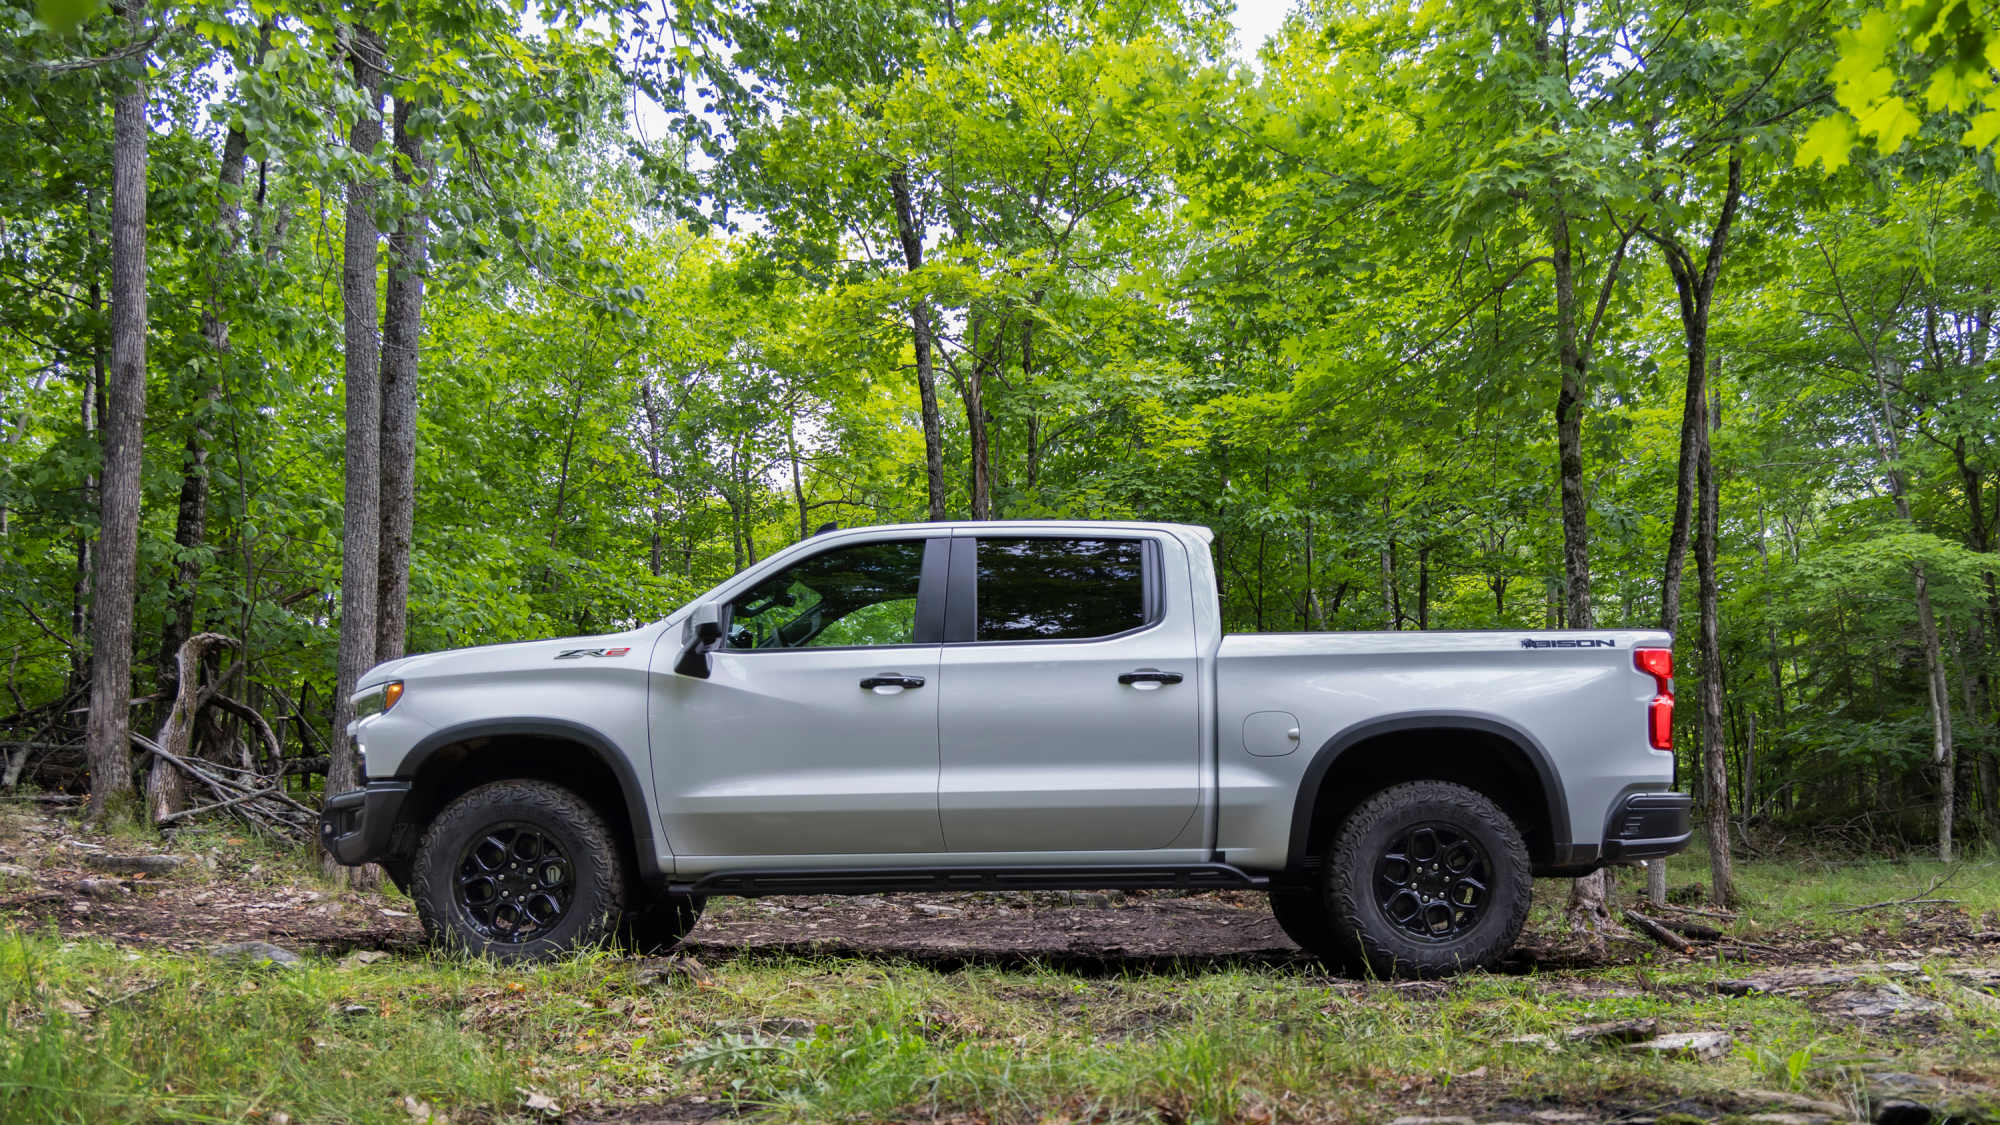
1658,932
1694,930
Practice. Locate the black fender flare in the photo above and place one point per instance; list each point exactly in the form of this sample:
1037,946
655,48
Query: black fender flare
595,742
1560,845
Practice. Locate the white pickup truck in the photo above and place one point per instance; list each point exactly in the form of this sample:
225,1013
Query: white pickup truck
979,706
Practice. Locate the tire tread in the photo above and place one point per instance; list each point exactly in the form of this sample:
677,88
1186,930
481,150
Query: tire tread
1354,911
602,866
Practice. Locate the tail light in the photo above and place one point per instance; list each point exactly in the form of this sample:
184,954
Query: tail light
1659,664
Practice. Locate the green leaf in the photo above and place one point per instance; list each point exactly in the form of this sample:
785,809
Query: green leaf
1829,141
1985,129
64,15
1890,121
1951,89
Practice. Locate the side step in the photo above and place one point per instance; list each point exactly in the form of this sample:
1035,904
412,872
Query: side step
876,880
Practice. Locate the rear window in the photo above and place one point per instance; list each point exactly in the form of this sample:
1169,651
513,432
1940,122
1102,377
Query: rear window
1060,589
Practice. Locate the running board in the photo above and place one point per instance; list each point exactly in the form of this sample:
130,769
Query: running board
876,880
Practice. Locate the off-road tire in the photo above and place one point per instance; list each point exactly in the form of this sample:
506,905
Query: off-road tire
1360,866
1303,914
597,874
657,922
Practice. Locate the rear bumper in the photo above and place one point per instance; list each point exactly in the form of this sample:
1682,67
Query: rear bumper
1648,825
359,826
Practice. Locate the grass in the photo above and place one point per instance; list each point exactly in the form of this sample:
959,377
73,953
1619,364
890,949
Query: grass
91,1031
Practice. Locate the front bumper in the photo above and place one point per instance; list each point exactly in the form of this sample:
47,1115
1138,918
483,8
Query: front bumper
359,826
1648,825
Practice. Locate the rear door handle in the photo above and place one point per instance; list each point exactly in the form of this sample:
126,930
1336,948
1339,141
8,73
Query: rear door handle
1149,676
891,679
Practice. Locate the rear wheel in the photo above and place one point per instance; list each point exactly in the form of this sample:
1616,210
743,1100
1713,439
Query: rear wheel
1427,879
518,871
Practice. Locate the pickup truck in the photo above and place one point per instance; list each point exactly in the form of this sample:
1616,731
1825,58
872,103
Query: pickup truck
1008,705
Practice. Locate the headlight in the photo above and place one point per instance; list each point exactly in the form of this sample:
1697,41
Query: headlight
378,699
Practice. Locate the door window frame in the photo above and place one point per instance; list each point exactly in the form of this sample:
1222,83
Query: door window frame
961,603
929,629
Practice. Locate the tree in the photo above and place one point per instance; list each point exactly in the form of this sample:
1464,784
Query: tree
115,577
1695,286
361,510
402,332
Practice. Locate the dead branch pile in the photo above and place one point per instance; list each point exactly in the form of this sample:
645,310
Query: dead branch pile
213,753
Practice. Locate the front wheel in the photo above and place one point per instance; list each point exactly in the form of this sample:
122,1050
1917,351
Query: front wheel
1427,879
1302,913
518,871
656,924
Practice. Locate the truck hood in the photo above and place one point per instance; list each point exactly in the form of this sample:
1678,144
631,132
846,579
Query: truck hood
518,656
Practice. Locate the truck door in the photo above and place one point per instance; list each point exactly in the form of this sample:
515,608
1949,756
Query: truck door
1068,714
816,731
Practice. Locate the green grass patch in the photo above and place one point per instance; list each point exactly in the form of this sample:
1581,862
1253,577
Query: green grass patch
91,1031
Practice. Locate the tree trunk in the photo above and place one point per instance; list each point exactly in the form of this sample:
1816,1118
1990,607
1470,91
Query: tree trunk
1721,860
798,480
114,584
402,337
1888,448
1684,481
92,421
1696,483
975,431
191,516
911,235
362,519
1746,802
1589,909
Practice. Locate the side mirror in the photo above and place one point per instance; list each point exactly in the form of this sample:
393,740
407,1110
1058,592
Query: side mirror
704,630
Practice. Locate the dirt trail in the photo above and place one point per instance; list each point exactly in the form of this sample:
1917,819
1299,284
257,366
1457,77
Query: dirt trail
222,895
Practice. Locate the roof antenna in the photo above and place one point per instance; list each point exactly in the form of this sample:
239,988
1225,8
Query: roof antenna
826,527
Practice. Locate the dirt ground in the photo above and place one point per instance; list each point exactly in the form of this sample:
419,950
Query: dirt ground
228,896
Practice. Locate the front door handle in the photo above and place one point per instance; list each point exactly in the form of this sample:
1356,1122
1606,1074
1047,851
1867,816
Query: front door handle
1149,676
891,679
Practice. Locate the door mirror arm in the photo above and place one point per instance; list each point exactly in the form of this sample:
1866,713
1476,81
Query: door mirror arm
704,631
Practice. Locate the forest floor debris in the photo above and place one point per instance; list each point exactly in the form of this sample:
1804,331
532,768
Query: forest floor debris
988,1008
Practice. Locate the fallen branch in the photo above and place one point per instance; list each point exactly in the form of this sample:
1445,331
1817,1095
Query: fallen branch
1922,898
246,803
1899,902
251,715
1658,933
1723,915
253,795
1694,930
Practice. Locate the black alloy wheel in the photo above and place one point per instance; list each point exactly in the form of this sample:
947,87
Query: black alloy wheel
515,883
1426,879
519,871
1433,881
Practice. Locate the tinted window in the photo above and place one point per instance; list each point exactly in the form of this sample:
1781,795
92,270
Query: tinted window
1060,589
865,595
